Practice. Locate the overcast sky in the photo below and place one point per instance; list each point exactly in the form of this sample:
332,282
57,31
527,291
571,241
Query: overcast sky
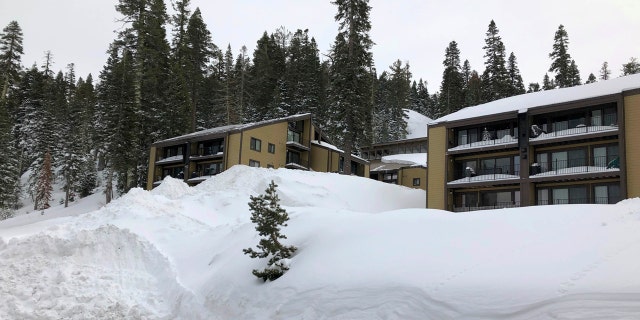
417,31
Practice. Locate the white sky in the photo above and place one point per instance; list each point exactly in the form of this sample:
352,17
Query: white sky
417,31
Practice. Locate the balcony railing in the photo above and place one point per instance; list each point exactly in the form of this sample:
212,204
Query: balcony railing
485,143
595,200
574,166
497,205
578,130
486,174
292,162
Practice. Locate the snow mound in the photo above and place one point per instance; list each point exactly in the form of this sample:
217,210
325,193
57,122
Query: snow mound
101,273
172,188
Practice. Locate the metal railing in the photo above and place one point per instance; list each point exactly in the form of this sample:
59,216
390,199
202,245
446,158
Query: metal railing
609,123
577,165
490,206
595,200
495,173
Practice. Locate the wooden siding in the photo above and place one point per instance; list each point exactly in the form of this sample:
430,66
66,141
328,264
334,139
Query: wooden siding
437,168
152,168
276,134
232,150
406,176
632,144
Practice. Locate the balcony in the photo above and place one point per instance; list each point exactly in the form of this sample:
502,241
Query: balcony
470,175
491,206
506,141
595,200
559,167
208,152
170,160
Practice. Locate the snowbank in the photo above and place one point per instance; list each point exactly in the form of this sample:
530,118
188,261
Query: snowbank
367,250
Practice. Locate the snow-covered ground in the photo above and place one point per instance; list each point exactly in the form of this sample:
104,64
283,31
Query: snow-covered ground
366,250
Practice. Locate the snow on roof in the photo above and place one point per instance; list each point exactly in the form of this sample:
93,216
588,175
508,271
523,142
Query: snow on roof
416,124
522,103
407,158
332,147
229,128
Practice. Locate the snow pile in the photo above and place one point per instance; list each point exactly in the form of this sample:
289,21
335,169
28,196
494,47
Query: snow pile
367,250
418,159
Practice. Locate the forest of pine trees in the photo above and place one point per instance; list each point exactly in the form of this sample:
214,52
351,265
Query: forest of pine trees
165,76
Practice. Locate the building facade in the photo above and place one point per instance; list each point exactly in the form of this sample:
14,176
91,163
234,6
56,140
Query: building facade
563,146
292,142
401,162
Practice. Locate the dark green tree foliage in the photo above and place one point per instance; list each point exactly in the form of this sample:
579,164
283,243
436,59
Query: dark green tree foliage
116,116
10,54
351,78
473,90
495,78
421,101
200,50
44,183
180,95
547,83
303,75
269,217
229,83
533,87
605,73
241,87
381,116
399,85
516,85
9,168
265,75
592,78
631,67
451,97
566,70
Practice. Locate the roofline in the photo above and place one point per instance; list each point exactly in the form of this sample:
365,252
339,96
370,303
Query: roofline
235,128
397,142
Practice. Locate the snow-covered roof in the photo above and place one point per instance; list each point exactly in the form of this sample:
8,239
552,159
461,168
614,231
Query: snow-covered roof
522,103
407,159
229,128
416,124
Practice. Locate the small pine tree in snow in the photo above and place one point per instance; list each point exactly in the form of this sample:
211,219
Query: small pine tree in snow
268,216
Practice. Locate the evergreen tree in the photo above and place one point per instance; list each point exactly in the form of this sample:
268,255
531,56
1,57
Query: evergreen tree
269,217
9,168
605,73
265,74
303,75
547,83
351,77
399,99
44,186
533,87
495,78
516,85
473,90
566,71
591,79
631,67
10,53
242,88
451,88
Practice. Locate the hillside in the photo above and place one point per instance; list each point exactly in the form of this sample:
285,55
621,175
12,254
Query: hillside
367,250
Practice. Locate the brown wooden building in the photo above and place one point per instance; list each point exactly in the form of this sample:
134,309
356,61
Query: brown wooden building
570,145
410,172
292,142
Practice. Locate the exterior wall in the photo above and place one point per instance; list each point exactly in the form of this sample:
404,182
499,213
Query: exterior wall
152,168
406,176
276,134
321,159
436,179
232,150
632,144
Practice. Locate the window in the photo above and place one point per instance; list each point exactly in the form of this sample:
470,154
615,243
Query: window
270,166
606,156
293,157
253,163
391,177
271,148
256,144
416,182
208,148
604,194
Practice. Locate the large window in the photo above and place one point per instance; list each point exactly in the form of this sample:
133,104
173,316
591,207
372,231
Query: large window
559,160
488,166
490,199
173,151
606,156
256,144
208,148
254,163
210,169
563,195
608,193
486,133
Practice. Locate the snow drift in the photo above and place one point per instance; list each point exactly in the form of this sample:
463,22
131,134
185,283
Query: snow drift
367,250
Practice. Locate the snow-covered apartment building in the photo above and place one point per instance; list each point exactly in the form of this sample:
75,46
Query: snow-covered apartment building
570,145
401,162
291,142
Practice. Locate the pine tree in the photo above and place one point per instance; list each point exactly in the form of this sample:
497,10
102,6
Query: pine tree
516,85
591,79
495,78
631,67
605,73
451,88
269,217
473,91
9,168
533,87
567,74
547,83
399,99
351,77
44,186
303,75
10,52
